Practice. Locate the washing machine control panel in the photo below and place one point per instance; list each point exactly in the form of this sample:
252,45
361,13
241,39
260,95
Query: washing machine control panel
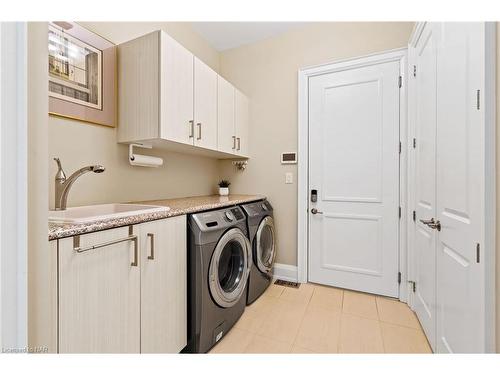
214,220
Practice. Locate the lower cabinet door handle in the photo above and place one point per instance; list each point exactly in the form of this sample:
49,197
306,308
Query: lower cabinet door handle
135,263
199,131
191,128
151,237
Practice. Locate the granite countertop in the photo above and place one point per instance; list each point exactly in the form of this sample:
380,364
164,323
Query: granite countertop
178,206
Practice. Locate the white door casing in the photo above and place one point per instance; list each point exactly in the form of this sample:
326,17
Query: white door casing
354,165
425,183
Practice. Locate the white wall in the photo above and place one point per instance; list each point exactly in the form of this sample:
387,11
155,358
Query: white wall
13,237
78,144
267,72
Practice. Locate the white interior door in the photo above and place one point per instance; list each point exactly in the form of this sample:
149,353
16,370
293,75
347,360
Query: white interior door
354,166
460,188
425,187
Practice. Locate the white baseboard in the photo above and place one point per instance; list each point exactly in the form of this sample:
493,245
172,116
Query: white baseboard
285,272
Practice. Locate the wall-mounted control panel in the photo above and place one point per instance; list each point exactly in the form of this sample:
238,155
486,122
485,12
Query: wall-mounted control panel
289,158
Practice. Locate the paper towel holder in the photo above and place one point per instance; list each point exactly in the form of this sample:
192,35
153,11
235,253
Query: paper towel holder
140,145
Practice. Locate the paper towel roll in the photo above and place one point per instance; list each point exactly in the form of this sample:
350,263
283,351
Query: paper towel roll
145,161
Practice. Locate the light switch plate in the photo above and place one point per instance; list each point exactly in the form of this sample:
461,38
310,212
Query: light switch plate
288,178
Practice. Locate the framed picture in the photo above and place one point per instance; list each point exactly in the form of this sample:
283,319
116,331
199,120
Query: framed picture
82,74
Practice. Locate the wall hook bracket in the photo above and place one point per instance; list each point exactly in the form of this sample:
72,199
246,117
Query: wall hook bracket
240,164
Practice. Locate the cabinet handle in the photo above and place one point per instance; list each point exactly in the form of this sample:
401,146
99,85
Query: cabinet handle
152,244
199,131
239,144
191,128
234,142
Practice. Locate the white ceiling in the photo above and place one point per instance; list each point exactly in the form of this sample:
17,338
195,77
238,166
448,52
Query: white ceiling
227,35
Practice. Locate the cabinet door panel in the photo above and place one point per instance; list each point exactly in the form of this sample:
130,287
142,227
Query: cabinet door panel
226,135
205,106
241,116
99,295
163,285
176,91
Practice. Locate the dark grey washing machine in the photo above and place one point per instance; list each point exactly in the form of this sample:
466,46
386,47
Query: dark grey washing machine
262,238
219,258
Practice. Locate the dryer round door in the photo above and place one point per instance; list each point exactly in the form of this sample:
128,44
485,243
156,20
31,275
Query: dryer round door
265,245
229,267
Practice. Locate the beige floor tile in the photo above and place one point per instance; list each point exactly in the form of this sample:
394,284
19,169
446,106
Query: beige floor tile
319,330
398,339
360,335
255,314
327,297
265,345
236,341
360,304
283,321
301,294
298,350
274,290
395,312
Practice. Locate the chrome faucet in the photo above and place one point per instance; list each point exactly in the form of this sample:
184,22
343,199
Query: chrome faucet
63,184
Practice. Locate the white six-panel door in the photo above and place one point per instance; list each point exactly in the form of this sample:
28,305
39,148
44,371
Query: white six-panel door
354,165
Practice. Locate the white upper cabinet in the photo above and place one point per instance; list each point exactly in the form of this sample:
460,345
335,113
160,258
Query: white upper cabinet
169,98
241,123
226,129
176,87
205,105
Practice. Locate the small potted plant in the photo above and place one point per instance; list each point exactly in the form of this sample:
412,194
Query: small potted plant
224,187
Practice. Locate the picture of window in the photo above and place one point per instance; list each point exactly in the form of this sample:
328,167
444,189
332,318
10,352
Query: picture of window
75,69
82,74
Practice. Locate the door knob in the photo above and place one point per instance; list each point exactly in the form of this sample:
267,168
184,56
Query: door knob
432,224
315,211
427,222
436,225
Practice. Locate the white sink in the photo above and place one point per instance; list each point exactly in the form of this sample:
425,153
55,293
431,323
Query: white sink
100,212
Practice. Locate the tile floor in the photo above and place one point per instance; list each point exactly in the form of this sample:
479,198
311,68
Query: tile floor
320,319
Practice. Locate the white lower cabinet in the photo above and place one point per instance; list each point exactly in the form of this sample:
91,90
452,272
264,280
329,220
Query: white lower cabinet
124,290
163,285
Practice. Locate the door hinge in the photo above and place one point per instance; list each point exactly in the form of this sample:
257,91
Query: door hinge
414,142
478,99
414,216
400,212
400,81
399,277
413,285
478,253
414,70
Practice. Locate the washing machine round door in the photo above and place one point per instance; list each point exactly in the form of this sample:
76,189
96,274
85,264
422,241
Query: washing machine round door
229,268
265,245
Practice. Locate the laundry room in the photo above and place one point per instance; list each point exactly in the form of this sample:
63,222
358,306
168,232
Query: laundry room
222,186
